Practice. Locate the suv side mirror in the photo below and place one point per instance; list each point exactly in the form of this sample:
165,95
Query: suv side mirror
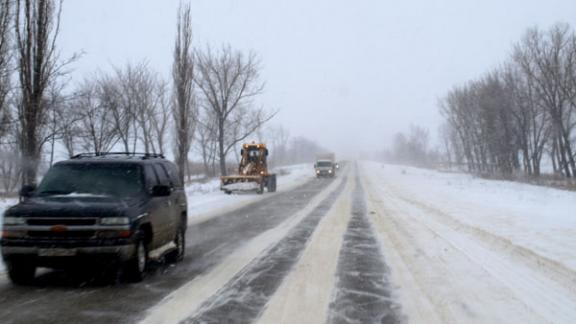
26,192
161,191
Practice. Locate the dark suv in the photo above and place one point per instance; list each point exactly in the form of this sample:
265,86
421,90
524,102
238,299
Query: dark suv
119,207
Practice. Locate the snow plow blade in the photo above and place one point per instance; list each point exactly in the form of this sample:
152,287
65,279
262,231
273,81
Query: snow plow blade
244,183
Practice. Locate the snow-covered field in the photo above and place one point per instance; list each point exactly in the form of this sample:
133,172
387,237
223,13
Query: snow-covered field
464,249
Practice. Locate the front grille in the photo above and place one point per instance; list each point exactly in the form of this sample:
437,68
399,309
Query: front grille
62,235
61,221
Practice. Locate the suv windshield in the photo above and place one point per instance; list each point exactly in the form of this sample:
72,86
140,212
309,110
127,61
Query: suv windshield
322,164
119,180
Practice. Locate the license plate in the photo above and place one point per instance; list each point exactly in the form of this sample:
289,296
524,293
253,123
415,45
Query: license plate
56,252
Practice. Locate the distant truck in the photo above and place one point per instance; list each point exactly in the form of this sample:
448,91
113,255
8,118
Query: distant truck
325,165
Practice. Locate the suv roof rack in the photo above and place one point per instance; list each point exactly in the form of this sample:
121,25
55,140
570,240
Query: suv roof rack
133,155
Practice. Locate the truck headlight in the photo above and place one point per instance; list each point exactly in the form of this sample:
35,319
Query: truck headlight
329,171
115,221
14,221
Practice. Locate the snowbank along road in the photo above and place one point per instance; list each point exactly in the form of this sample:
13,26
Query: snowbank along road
377,244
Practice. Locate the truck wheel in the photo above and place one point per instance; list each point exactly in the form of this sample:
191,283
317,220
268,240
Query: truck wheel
21,272
135,268
180,241
261,188
272,183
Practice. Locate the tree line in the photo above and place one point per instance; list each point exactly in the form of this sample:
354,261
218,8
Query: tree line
207,108
412,147
521,114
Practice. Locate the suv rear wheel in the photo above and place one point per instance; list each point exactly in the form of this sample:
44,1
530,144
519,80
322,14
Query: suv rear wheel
21,271
180,241
135,268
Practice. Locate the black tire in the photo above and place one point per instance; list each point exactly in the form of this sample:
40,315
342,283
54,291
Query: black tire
21,271
272,183
177,254
261,188
135,268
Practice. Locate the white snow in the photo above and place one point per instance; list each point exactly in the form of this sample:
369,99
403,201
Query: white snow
463,249
242,186
81,195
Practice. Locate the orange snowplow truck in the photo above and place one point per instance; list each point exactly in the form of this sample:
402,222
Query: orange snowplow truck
253,172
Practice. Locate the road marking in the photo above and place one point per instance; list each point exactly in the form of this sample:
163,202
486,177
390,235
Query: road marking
304,295
245,296
363,293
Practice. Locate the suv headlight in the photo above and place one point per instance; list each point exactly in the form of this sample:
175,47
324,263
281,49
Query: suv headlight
14,221
115,221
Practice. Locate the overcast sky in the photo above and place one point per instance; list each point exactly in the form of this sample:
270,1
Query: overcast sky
348,74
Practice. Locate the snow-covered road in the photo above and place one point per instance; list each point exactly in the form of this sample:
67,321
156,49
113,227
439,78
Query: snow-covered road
379,243
463,249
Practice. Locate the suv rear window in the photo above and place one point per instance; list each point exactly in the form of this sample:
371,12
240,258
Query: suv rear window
109,179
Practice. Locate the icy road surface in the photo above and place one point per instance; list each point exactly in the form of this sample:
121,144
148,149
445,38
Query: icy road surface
377,244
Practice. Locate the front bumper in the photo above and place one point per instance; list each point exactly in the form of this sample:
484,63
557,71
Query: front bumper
46,255
324,173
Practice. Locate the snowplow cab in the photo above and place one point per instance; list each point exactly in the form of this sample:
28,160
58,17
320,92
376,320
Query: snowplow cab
253,159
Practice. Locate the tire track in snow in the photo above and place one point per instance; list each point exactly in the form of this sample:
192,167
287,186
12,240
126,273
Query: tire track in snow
243,299
363,291
549,267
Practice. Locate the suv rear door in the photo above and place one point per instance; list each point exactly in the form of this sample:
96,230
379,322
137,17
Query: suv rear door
157,210
177,190
170,211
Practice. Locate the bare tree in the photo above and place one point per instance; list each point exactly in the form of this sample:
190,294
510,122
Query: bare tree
70,126
160,117
504,121
278,138
37,25
185,109
229,81
206,143
532,126
95,104
6,13
548,61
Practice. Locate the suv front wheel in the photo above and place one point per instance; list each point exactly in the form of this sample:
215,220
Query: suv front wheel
135,268
21,271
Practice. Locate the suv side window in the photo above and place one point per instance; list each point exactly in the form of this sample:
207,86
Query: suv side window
151,177
162,175
173,174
